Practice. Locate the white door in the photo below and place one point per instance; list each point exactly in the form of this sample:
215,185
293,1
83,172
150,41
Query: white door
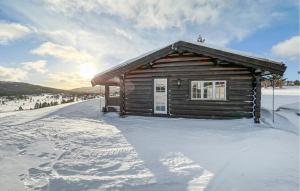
160,95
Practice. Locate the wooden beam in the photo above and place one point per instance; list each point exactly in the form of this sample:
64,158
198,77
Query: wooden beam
106,97
257,101
122,95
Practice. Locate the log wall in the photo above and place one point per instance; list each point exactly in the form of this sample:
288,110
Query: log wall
187,67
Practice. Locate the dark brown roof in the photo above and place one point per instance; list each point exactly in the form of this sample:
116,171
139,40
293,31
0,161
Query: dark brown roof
222,54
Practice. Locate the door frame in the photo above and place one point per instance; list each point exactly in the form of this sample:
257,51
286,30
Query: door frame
166,97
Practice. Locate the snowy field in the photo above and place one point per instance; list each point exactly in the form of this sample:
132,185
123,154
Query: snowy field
74,147
28,102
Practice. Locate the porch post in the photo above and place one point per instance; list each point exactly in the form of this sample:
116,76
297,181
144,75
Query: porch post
122,95
106,97
257,101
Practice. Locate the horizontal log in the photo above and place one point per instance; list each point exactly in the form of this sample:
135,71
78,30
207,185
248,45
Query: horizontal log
209,116
138,80
184,64
211,113
139,97
138,110
138,91
188,69
139,105
239,82
148,83
188,73
181,59
240,98
194,76
208,103
211,106
186,98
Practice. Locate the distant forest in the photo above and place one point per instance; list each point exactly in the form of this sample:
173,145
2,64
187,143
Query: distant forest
20,88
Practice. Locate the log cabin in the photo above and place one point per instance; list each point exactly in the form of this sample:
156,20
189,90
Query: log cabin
188,80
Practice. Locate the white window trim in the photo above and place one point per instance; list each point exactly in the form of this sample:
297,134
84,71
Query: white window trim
202,92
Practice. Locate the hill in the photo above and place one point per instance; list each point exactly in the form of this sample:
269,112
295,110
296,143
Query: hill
19,88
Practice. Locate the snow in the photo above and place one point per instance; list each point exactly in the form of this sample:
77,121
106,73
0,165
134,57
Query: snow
75,147
286,106
27,102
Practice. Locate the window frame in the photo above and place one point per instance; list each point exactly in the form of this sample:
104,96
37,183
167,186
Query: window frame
213,90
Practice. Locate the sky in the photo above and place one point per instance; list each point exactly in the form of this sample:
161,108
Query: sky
64,43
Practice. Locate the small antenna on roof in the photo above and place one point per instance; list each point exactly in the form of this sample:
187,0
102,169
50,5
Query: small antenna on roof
200,39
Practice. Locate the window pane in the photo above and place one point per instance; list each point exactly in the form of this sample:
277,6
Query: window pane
196,90
114,91
160,88
208,90
220,90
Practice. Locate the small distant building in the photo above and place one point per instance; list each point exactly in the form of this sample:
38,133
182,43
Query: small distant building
188,80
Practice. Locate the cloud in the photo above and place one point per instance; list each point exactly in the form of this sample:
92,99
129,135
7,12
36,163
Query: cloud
67,80
66,53
123,33
12,31
289,48
38,66
21,73
219,21
61,36
12,74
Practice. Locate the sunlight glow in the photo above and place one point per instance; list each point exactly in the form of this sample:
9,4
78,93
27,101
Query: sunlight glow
87,71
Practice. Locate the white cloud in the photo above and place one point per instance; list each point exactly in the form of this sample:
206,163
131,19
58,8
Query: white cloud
289,48
67,80
12,74
61,36
38,66
66,53
147,13
123,33
219,21
12,31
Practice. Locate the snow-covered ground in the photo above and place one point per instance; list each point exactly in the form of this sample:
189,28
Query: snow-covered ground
74,147
28,102
286,106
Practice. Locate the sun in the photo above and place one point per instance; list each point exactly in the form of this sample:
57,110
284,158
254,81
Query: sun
87,71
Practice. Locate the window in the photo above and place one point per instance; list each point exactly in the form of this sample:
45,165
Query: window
220,89
196,89
160,88
208,90
114,91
